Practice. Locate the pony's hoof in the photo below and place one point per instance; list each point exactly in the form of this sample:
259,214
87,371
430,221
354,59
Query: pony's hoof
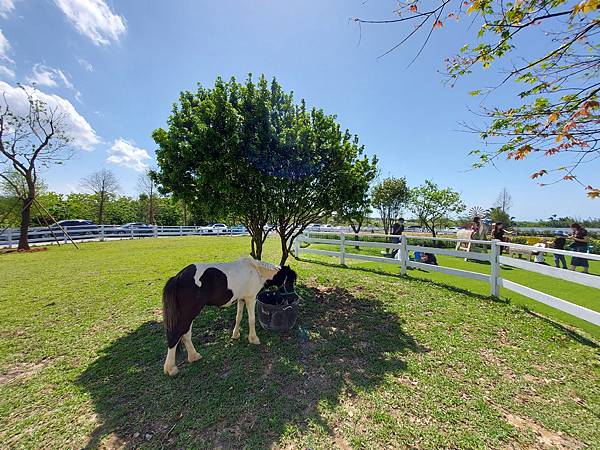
194,357
254,340
171,371
235,335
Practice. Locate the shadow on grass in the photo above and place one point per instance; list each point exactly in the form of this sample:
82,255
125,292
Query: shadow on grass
239,395
449,287
573,333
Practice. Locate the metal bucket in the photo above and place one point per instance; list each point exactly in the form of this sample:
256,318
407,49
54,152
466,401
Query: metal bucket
279,318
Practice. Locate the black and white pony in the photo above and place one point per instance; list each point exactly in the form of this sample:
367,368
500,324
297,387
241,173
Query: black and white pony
217,284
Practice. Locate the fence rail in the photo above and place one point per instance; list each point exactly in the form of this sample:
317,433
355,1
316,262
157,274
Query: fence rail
10,236
494,257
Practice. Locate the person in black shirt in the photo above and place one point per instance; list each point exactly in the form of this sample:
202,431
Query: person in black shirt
498,232
559,243
397,229
580,244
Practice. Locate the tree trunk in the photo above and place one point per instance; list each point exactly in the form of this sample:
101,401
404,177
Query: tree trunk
285,252
25,221
257,246
101,209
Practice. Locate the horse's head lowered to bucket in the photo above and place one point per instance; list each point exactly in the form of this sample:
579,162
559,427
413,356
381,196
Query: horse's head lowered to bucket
277,303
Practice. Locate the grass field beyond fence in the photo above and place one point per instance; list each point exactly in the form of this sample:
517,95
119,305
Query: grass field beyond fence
377,361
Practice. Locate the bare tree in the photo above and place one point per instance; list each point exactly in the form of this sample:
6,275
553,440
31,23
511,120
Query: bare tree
147,187
30,141
103,184
504,201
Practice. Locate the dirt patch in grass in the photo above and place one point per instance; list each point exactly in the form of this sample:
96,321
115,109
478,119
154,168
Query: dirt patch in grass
21,371
545,438
31,250
491,359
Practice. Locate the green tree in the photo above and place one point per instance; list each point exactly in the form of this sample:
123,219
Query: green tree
390,197
497,215
555,110
317,170
203,156
433,205
249,153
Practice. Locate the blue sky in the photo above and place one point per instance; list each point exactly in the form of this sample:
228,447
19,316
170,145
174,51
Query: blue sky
121,64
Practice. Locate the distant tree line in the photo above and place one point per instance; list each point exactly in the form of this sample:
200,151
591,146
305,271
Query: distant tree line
116,210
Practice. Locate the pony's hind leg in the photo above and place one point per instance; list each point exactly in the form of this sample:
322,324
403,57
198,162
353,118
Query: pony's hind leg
192,354
238,319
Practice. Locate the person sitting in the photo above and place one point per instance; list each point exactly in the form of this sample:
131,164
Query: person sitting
559,244
580,244
429,258
540,257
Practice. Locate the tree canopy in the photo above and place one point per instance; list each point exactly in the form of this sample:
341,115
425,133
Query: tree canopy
390,197
249,152
555,110
432,204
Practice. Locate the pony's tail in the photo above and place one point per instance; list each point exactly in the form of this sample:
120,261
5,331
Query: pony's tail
170,306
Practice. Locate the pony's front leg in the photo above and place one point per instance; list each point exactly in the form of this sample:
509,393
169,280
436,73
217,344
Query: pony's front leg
192,354
170,367
238,319
252,337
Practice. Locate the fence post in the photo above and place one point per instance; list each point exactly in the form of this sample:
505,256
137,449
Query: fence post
102,233
65,234
403,255
342,248
131,231
154,230
9,237
494,260
180,230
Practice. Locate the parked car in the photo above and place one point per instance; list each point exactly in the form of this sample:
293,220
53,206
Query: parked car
74,227
136,227
214,228
238,229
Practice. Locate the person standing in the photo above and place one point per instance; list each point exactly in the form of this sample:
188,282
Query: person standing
397,230
498,232
559,244
580,244
475,227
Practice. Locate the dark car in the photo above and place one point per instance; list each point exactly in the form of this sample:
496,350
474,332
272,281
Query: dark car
73,227
135,228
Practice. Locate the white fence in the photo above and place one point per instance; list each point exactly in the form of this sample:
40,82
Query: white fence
10,236
495,281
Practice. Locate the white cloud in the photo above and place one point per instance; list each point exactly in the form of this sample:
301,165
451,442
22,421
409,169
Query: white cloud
42,76
6,7
125,153
7,73
47,76
86,64
94,19
4,48
74,124
78,97
65,79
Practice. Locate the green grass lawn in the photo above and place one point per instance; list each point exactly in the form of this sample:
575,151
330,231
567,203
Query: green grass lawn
566,290
377,361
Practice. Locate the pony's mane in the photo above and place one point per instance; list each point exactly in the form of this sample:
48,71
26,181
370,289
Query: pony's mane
260,264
